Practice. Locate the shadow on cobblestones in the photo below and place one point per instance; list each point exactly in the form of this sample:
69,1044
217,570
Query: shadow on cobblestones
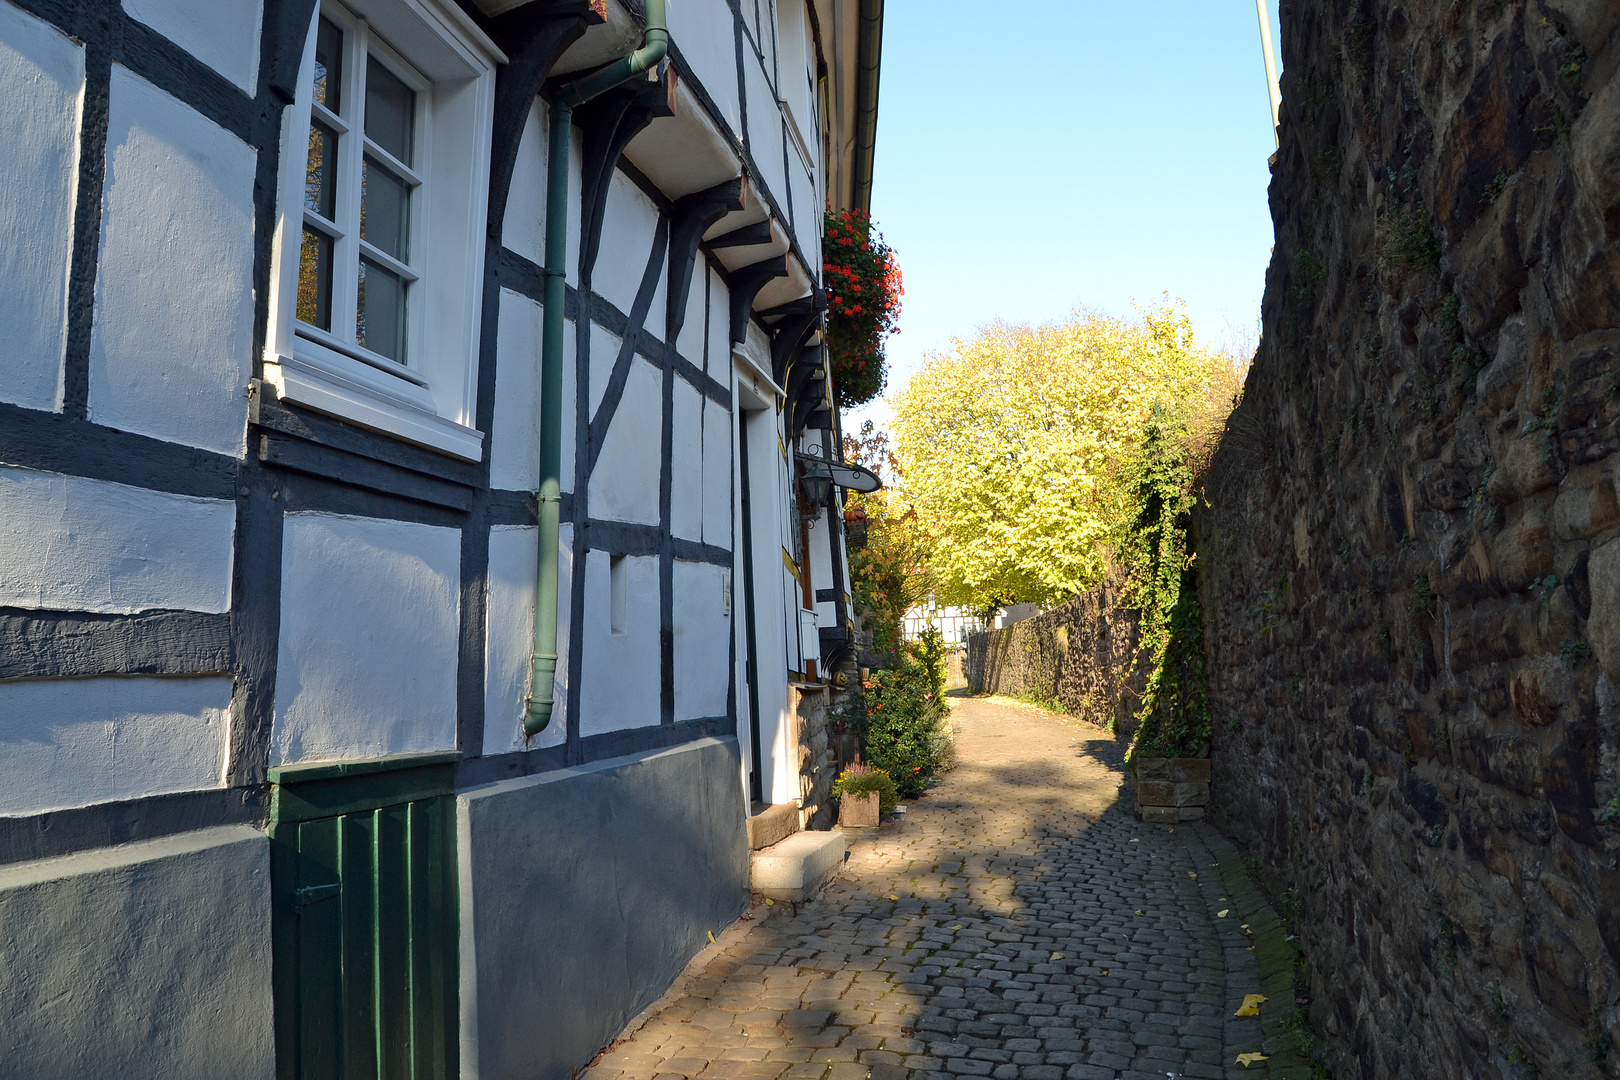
1017,923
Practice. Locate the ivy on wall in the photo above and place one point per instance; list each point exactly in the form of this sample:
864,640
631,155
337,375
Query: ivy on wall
1174,717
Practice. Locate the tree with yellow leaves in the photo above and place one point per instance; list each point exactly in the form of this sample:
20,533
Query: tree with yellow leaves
1014,446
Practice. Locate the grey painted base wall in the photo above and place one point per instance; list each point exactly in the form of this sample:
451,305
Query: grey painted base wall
146,960
583,894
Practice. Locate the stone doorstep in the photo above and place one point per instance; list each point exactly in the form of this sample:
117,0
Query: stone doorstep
796,868
772,825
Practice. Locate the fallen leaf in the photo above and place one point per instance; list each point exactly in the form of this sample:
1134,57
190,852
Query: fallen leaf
1193,874
1055,956
1139,911
1248,1059
893,897
1136,841
1105,971
769,902
711,937
1251,1005
1223,913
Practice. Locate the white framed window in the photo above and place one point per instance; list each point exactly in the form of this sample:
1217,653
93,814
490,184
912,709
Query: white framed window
378,272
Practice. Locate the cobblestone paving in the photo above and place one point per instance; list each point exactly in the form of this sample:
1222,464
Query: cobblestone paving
1016,924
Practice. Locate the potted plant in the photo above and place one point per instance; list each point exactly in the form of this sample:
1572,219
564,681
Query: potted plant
863,794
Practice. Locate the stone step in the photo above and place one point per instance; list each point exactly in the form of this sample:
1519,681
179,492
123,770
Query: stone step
772,824
796,868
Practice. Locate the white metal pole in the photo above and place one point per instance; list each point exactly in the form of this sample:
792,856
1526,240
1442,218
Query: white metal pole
1271,69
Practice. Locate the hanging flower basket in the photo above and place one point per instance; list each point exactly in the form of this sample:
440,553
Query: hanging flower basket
863,292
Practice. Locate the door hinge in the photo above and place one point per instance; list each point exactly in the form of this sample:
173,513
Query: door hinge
314,894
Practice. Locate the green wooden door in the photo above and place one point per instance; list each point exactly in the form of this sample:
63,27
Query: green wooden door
364,875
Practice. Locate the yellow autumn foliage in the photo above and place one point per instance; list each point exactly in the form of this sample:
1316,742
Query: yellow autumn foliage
1011,445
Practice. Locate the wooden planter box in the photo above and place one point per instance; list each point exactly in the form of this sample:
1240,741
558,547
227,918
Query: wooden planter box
1171,790
858,811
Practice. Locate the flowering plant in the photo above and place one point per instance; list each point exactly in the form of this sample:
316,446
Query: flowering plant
863,291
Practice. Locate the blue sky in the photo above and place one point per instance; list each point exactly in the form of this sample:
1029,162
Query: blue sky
1037,157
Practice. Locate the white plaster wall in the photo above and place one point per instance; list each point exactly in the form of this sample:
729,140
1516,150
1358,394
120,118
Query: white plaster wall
686,460
806,217
690,343
77,742
619,676
509,637
624,486
366,664
627,236
71,544
225,36
514,440
524,229
717,494
703,31
42,85
764,129
170,348
702,640
605,347
719,360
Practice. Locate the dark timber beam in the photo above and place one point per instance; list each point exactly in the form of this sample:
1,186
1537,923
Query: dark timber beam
533,37
786,337
693,216
748,236
609,123
745,283
286,27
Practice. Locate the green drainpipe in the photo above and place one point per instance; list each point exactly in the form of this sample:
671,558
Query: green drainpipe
543,663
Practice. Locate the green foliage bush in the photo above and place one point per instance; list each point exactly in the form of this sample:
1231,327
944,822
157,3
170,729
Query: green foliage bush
904,730
861,779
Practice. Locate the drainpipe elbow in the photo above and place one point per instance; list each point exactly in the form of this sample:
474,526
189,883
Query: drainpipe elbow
543,670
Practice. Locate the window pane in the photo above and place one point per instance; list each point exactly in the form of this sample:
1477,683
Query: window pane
390,110
385,204
320,172
329,65
315,280
380,321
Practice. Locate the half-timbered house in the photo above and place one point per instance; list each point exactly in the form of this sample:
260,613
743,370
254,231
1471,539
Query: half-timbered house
409,581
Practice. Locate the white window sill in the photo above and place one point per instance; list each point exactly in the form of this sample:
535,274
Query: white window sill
350,390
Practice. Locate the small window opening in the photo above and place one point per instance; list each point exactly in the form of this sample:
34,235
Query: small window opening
618,595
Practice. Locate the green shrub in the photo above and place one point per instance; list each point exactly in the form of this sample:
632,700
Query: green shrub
861,779
904,729
930,653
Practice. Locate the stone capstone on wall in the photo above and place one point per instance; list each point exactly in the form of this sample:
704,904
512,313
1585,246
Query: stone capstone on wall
1410,560
1081,656
146,960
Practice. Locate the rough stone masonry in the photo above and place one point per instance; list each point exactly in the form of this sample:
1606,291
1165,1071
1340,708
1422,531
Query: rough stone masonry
1410,564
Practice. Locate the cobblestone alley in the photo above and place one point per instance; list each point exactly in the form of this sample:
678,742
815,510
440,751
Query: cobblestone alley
1017,923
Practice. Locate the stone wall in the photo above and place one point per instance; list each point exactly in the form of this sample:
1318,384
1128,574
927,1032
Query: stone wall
1080,657
818,767
1411,565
